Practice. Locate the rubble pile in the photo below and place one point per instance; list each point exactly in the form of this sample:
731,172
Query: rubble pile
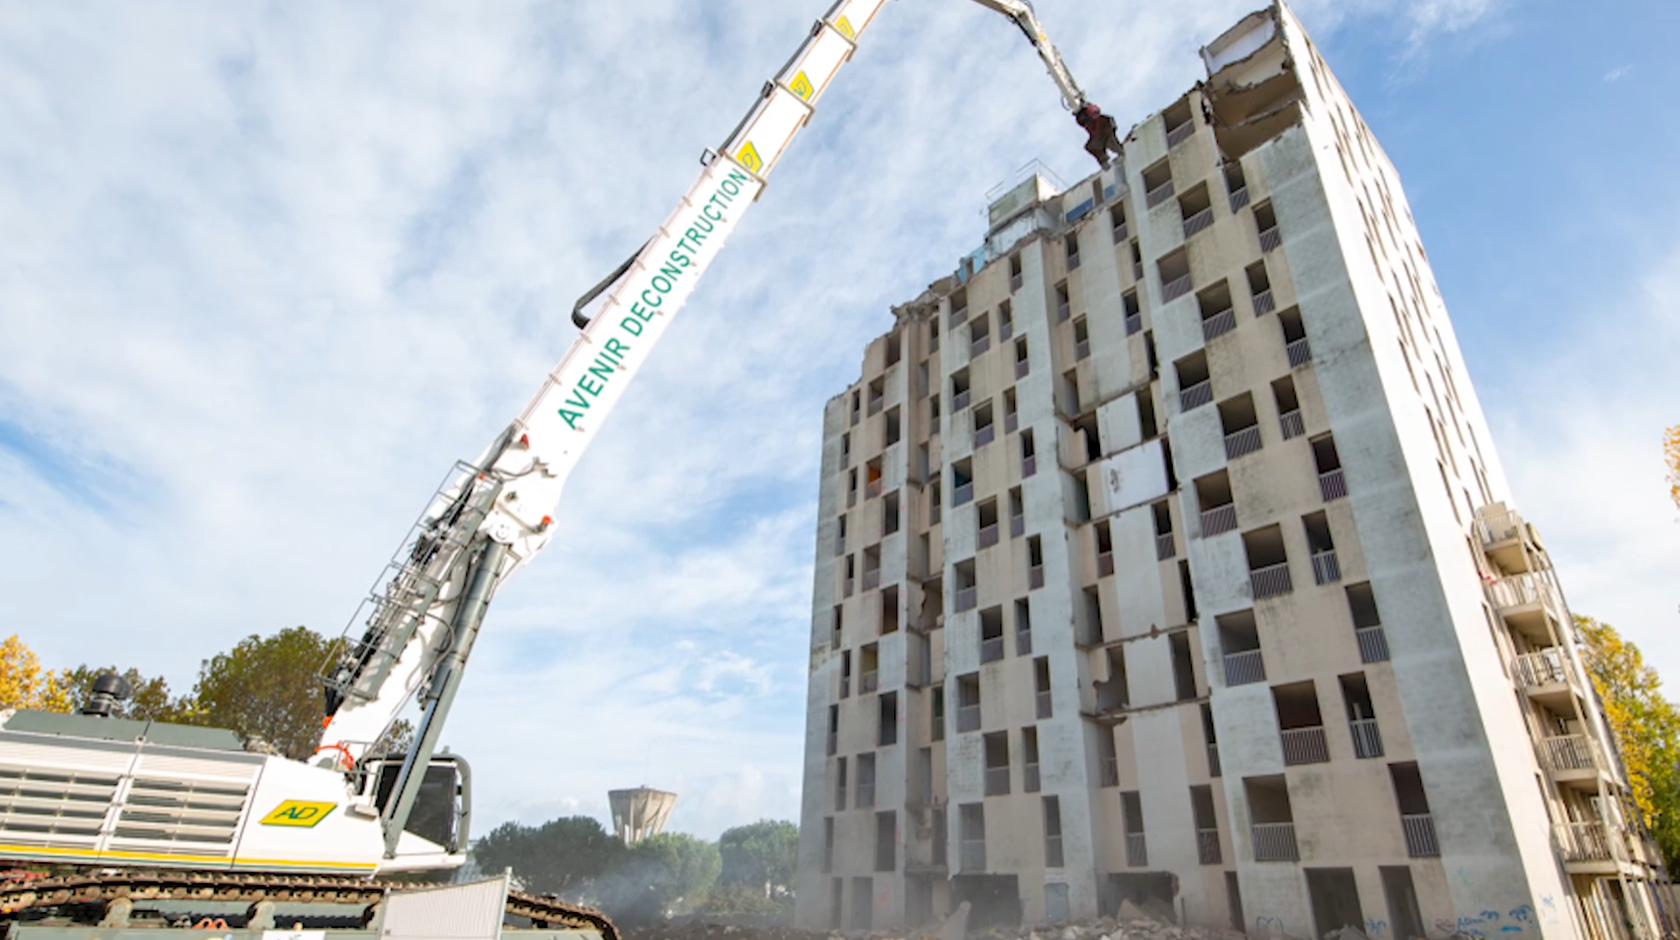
1132,924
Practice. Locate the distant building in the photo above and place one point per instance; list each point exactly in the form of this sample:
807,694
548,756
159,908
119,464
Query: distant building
1163,556
640,813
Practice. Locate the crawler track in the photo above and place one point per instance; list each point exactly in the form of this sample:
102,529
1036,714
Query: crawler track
19,893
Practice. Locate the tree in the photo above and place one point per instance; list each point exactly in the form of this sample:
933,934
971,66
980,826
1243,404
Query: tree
24,684
1646,727
265,688
562,856
148,699
669,873
762,854
1671,459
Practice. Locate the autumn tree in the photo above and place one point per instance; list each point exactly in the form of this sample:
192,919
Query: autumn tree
1671,460
1646,727
266,688
24,684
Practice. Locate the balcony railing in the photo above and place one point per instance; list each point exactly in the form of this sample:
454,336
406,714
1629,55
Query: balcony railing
1122,232
1568,752
959,401
1270,239
1196,396
1035,577
1198,222
1082,350
985,435
974,855
1270,581
968,718
1029,778
868,682
1181,133
1367,739
1011,422
1045,708
1073,261
1275,842
1164,547
991,650
1029,465
1542,667
1264,303
988,535
1219,520
1292,423
1244,667
1017,526
1158,195
1175,288
1213,758
833,743
847,586
1023,642
959,316
1420,835
1022,367
1110,772
1243,442
1105,564
1134,323
1305,746
1326,569
1332,484
1137,850
967,598
997,781
1584,842
1014,283
1239,199
963,493
1137,270
872,579
1499,528
1219,324
1006,329
1299,353
1063,311
979,346
1207,846
1373,644
875,405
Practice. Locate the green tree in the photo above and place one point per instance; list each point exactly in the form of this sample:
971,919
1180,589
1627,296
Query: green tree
670,873
148,699
24,684
1645,724
562,856
761,854
265,688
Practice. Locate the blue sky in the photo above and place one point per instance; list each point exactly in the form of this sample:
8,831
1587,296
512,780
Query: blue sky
266,270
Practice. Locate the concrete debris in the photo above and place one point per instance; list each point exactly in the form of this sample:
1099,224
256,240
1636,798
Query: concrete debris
1133,923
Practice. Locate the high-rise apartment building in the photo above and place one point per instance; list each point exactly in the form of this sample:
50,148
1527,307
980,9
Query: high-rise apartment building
1164,557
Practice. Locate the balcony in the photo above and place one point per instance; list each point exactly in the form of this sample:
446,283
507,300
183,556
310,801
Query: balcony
1244,667
1239,199
1568,754
991,650
988,536
1219,324
1199,222
1029,778
1292,424
1263,303
1164,548
984,436
868,682
1042,700
1011,421
1137,270
1332,484
997,781
1305,746
1134,323
1017,526
979,347
1584,842
1299,353
1326,569
1270,239
1213,758
1029,466
1207,846
1105,564
1063,311
959,316
1122,232
959,401
974,855
1082,350
1547,667
1181,133
1420,835
1196,396
968,718
963,493
1373,644
872,579
833,743
1137,850
1367,739
967,598
1158,195
1175,288
1219,520
1275,842
1035,577
1270,581
1242,443
1500,528
1022,367
1014,283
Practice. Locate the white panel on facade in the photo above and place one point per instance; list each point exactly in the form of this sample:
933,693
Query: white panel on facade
1135,476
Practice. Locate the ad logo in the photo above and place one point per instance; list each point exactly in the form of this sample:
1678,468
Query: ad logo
298,813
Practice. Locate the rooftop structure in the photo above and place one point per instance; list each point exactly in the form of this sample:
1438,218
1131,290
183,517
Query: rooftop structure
640,813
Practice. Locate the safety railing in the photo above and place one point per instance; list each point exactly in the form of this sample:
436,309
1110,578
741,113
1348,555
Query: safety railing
1275,842
1219,520
1219,324
1242,442
1244,667
1305,746
1270,581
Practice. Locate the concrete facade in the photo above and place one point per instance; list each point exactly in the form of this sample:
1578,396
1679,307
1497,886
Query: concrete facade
1163,556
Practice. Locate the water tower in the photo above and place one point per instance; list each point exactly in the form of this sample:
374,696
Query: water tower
640,813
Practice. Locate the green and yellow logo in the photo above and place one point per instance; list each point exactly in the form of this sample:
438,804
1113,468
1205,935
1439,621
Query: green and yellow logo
748,155
298,813
801,86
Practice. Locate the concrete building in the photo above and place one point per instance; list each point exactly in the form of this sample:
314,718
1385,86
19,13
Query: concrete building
640,813
1163,556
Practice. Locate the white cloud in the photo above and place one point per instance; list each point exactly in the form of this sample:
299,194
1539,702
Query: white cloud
269,269
1618,73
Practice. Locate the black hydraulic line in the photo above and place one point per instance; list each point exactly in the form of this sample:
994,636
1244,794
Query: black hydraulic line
578,319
